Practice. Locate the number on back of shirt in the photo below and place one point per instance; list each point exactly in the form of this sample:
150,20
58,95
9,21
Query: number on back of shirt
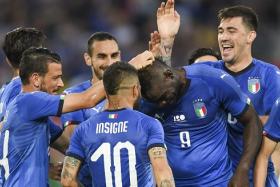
105,150
185,139
4,161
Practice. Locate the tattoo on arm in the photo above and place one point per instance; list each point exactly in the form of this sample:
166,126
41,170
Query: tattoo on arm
167,183
70,168
158,152
166,51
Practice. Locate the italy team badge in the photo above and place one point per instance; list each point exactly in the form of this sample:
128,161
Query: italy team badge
200,109
254,85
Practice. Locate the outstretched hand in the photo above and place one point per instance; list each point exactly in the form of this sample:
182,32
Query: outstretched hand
168,20
154,44
142,60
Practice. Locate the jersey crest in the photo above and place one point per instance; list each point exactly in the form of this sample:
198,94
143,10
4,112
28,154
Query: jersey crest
200,108
254,85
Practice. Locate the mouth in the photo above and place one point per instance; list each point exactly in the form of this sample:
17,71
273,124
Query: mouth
227,48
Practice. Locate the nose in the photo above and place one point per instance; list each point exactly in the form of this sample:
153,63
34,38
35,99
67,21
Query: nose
60,83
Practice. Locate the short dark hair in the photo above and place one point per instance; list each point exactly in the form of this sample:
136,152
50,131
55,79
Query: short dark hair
20,39
99,36
35,60
248,15
149,75
117,74
202,52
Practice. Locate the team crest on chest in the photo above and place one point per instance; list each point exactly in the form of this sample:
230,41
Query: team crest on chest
200,108
254,85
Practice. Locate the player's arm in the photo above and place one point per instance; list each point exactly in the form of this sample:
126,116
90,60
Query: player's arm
252,137
89,98
264,119
70,171
61,143
161,169
260,171
168,23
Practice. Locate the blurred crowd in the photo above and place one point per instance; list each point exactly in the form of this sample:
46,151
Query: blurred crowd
68,25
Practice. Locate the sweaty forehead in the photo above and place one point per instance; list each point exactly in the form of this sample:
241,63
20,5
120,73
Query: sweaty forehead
105,47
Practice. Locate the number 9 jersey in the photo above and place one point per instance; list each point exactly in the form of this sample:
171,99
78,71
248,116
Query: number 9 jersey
115,146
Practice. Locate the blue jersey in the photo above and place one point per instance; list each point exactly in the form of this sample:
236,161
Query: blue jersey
272,127
25,137
76,118
9,92
196,131
261,82
115,145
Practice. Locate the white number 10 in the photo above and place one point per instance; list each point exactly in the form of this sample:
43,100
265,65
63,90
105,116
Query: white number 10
105,149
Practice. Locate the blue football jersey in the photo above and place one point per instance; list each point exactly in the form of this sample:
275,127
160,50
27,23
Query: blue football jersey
260,81
196,130
25,138
9,92
78,117
115,145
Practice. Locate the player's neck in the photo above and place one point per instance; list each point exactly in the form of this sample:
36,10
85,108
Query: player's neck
29,88
118,102
15,73
94,79
240,64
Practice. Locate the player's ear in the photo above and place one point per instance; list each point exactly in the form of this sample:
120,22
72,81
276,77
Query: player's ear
136,91
87,59
252,36
35,80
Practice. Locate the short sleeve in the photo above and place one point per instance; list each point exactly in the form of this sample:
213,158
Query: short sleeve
72,118
55,131
41,104
155,133
229,94
272,84
272,127
75,148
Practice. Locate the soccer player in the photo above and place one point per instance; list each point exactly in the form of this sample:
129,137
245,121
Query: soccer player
25,133
119,144
204,54
270,139
193,102
258,79
103,50
15,43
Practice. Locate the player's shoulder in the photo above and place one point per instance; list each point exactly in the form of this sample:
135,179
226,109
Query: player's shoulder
13,86
204,72
78,87
265,66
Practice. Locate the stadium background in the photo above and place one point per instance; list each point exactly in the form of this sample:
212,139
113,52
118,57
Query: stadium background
68,24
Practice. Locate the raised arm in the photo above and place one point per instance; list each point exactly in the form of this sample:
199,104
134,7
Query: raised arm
69,173
162,171
168,23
